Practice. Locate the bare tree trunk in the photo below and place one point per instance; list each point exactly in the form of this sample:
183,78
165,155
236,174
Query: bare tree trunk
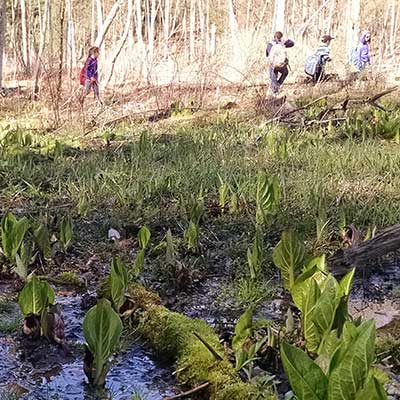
184,33
25,51
248,10
41,48
61,52
353,23
176,12
213,39
13,35
382,41
3,25
71,53
139,27
201,25
192,22
207,28
393,27
122,41
151,32
279,16
329,20
167,9
234,30
93,23
107,23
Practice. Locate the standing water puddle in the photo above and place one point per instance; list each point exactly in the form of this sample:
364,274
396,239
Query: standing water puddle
36,371
375,296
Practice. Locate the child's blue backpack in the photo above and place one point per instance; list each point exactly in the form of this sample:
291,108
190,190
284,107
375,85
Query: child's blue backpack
312,64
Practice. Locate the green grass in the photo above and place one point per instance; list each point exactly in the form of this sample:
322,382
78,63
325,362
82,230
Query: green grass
151,173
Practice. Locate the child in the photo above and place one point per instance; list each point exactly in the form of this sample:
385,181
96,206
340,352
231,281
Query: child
91,75
363,58
323,53
278,61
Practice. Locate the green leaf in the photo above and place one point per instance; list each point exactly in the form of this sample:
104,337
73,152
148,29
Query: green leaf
329,344
12,234
66,232
342,313
197,209
305,376
118,282
319,262
223,195
243,329
301,287
139,260
373,388
267,196
42,239
35,296
191,235
102,328
255,256
325,308
23,259
288,256
144,237
351,362
347,281
310,331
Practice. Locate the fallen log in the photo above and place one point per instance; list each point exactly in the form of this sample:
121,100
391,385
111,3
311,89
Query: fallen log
175,338
359,255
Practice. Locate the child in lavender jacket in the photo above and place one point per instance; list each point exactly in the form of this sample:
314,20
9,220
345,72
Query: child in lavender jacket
363,58
92,75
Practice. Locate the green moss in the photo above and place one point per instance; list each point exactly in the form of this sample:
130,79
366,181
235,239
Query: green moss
70,278
171,335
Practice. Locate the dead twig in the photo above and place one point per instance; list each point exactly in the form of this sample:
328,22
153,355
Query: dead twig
189,392
209,347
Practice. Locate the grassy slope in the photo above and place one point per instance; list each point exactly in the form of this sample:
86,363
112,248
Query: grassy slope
155,171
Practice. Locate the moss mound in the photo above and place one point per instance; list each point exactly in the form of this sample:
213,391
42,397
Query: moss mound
172,336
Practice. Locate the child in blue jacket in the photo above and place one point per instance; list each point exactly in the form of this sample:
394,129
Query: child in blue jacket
92,75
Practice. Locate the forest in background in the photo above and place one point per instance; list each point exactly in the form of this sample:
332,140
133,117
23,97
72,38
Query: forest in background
191,41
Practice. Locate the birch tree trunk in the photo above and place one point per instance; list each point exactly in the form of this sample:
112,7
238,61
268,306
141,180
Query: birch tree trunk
13,35
234,30
278,23
122,41
107,23
3,25
139,27
93,23
393,27
353,23
167,9
71,53
41,48
192,22
24,31
153,14
329,20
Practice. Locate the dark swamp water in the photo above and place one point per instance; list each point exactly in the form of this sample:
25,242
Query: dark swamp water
42,371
